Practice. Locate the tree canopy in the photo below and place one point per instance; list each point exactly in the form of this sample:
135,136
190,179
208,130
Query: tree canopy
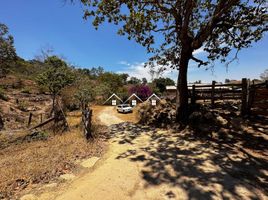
172,30
7,49
161,83
264,75
57,76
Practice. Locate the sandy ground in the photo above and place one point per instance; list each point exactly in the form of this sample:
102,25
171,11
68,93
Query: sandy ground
146,163
107,117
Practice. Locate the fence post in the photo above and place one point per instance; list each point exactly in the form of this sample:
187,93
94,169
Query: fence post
193,95
30,119
213,93
244,105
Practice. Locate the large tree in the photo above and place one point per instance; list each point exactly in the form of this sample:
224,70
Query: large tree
161,83
264,75
7,49
55,77
173,29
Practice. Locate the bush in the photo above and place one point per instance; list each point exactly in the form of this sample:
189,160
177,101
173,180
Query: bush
26,90
23,106
17,84
3,95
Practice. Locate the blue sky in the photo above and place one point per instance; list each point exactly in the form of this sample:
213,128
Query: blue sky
38,23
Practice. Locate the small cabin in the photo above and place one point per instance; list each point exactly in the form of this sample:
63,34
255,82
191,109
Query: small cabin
113,100
154,99
133,100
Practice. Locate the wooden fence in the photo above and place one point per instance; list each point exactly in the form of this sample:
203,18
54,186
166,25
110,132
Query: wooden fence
253,97
258,99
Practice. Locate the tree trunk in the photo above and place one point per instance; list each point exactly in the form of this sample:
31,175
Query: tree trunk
1,123
86,120
182,89
53,105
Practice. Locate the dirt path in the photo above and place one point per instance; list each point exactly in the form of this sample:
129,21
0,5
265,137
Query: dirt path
107,117
146,163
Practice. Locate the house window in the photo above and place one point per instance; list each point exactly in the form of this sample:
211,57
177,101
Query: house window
113,102
134,102
154,102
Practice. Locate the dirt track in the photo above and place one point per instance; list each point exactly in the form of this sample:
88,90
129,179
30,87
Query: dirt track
146,163
107,117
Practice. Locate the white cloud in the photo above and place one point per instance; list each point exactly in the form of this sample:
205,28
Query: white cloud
123,63
140,71
199,51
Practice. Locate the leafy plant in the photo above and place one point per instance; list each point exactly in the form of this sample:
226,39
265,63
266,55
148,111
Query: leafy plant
22,105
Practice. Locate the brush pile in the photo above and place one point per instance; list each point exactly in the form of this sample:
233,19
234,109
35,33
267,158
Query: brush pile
161,115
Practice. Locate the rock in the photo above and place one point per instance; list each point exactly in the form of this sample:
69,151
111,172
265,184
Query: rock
90,162
221,121
209,116
223,133
236,123
50,185
260,129
67,177
29,197
195,118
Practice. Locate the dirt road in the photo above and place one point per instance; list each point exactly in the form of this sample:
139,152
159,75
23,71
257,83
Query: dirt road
107,116
146,163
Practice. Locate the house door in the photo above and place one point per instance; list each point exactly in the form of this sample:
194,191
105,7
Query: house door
134,102
113,102
154,102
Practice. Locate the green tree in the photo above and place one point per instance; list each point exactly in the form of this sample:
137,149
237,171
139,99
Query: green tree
172,30
7,49
133,80
124,78
85,92
161,83
264,75
144,81
113,80
57,76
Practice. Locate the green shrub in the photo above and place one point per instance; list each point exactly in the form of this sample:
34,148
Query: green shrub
26,90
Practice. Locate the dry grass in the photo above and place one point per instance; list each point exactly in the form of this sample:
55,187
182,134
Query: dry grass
25,162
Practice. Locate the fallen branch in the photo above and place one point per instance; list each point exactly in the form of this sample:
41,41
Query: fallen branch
43,123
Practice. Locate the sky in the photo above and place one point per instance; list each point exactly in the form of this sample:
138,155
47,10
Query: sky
37,23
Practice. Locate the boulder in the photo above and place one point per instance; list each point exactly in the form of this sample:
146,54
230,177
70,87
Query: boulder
221,121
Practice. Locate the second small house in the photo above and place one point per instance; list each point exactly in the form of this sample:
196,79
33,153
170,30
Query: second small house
133,100
154,99
113,100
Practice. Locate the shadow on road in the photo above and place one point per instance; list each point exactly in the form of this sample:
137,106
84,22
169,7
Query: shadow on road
202,167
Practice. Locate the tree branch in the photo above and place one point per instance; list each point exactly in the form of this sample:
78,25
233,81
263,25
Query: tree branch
201,62
205,31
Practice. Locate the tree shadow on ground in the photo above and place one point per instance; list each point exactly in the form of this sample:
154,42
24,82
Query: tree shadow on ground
204,168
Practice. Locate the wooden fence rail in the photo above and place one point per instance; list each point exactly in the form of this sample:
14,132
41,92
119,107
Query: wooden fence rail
249,94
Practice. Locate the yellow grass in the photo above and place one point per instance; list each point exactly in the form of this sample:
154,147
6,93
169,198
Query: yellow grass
35,162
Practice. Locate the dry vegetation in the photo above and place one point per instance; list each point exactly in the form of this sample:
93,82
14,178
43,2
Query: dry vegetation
26,161
19,97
